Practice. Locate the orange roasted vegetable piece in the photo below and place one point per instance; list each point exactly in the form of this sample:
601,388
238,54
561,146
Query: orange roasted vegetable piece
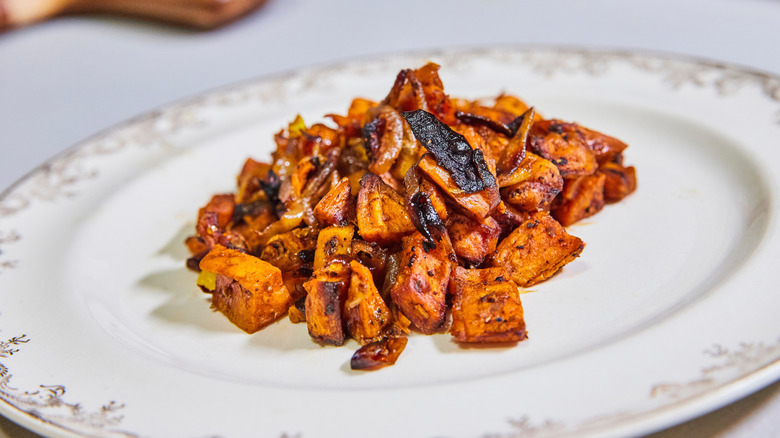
326,294
619,181
565,145
581,197
420,289
333,243
540,184
249,291
536,250
337,207
365,312
381,213
472,240
486,307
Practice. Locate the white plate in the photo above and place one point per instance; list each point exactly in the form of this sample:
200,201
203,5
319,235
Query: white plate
670,311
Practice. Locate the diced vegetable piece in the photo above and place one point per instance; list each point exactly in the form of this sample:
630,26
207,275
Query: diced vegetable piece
541,183
365,312
382,214
421,287
249,291
337,207
472,240
536,250
333,243
486,307
581,197
620,181
326,294
564,145
292,250
378,354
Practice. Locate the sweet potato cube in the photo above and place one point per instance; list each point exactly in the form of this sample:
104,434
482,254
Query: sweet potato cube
326,294
563,144
365,312
486,307
536,250
333,243
382,215
292,250
472,240
421,287
619,181
249,291
542,183
337,207
581,197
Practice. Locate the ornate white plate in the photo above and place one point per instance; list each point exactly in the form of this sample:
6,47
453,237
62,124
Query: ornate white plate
670,312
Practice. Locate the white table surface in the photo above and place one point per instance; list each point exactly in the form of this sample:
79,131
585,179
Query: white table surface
66,79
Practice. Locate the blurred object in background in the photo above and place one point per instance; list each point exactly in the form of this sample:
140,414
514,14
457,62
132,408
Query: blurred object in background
200,14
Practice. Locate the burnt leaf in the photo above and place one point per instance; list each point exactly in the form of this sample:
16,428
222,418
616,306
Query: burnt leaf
452,152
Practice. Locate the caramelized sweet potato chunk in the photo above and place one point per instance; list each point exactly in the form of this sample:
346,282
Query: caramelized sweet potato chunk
366,314
421,287
333,243
619,181
337,207
472,240
581,197
486,307
382,214
564,145
249,291
541,183
325,298
536,250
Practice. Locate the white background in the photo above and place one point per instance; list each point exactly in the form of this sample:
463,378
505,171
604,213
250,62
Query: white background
66,79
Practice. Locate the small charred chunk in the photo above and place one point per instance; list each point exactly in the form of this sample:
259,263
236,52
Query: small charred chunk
467,166
426,219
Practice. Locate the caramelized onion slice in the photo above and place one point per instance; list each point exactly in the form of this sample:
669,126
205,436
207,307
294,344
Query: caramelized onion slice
378,354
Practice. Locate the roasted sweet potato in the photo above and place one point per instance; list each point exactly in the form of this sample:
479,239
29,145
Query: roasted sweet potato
486,307
619,181
333,243
540,184
536,250
249,291
337,207
366,315
564,145
382,216
326,295
421,287
581,197
472,240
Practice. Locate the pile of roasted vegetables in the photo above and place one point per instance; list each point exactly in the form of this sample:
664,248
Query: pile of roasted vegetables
420,213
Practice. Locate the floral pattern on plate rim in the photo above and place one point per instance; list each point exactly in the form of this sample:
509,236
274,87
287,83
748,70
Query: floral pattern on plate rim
60,177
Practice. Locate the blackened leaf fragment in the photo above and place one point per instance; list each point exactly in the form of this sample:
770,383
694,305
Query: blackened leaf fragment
451,151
